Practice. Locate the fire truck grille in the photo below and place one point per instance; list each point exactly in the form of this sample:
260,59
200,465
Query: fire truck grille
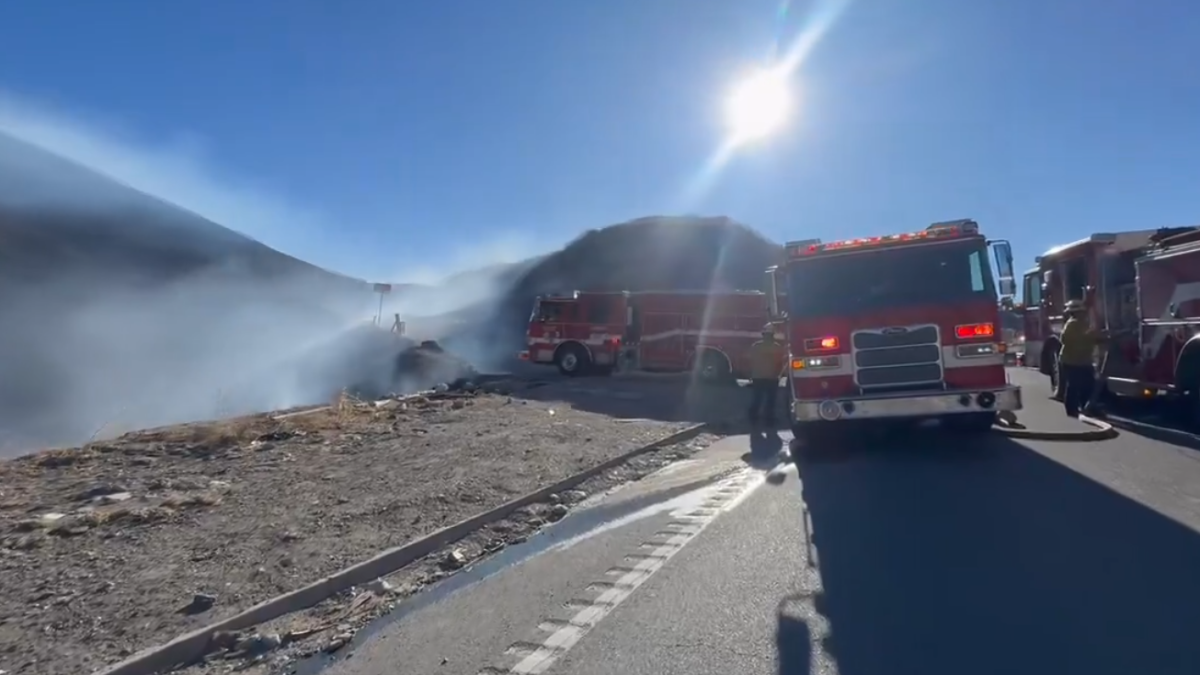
878,339
897,358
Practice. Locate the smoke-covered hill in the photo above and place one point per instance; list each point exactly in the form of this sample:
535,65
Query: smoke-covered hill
121,310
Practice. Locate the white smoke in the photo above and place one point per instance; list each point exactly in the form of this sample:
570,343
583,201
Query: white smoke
83,353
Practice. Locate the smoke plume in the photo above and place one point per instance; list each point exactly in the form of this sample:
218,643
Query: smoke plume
121,311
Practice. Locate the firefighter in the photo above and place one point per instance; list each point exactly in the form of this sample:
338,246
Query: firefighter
1075,364
766,364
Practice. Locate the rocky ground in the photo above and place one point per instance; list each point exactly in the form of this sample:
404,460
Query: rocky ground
282,646
123,544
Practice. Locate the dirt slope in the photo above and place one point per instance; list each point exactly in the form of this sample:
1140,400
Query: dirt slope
133,529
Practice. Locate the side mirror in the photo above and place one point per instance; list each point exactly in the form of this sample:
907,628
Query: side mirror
773,284
1002,252
1008,288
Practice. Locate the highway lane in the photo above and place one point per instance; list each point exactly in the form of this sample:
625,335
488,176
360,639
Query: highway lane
915,555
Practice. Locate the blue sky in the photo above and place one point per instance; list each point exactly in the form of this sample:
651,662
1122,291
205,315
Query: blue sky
382,135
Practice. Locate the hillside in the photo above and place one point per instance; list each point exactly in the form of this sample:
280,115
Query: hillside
61,220
122,310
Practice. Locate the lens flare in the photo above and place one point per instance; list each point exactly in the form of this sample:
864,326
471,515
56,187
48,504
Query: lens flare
759,105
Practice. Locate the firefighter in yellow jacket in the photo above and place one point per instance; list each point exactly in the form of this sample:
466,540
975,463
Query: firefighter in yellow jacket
1076,367
767,358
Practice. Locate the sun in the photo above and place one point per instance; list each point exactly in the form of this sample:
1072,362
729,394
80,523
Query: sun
759,105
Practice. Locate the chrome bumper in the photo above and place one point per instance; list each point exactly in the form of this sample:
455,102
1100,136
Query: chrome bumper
903,405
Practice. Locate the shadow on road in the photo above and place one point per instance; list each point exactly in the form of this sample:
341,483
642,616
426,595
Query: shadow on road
672,398
1151,419
765,447
794,642
938,557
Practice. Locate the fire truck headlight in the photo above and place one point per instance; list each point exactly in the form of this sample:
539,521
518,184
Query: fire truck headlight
971,351
816,363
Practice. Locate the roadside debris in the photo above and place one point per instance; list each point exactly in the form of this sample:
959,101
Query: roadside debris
137,528
201,602
330,627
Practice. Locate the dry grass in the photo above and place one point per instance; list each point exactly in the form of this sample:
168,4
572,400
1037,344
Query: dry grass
343,412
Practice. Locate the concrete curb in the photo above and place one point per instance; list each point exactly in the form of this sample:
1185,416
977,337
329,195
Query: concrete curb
1155,432
1103,432
191,647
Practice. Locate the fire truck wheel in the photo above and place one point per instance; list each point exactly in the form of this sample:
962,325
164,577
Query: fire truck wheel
572,360
1189,379
713,368
971,423
1048,363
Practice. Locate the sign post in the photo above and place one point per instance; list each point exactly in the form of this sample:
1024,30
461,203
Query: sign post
382,290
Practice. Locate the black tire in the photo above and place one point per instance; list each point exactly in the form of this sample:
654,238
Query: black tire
572,360
1049,364
712,368
1192,419
971,423
1188,376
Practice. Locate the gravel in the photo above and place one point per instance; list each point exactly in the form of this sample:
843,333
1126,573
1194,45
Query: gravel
118,546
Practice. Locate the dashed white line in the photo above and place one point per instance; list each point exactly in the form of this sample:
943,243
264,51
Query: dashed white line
537,658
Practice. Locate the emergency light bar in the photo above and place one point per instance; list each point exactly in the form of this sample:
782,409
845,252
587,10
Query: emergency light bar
948,230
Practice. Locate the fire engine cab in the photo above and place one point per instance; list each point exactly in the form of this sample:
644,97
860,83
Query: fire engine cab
904,327
1144,288
586,333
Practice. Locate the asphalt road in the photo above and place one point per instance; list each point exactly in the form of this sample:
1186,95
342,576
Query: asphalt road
916,555
672,397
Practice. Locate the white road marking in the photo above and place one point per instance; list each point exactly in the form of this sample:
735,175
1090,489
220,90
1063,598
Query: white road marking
685,525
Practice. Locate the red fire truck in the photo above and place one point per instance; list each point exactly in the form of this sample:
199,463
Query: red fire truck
1144,288
668,331
902,327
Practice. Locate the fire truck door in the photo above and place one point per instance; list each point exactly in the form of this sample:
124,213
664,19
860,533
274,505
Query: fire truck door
553,317
1074,276
1031,318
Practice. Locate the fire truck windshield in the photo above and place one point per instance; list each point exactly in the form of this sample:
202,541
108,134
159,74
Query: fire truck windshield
889,277
549,311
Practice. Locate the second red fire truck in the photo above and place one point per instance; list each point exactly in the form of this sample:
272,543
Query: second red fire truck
899,327
586,333
1143,287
